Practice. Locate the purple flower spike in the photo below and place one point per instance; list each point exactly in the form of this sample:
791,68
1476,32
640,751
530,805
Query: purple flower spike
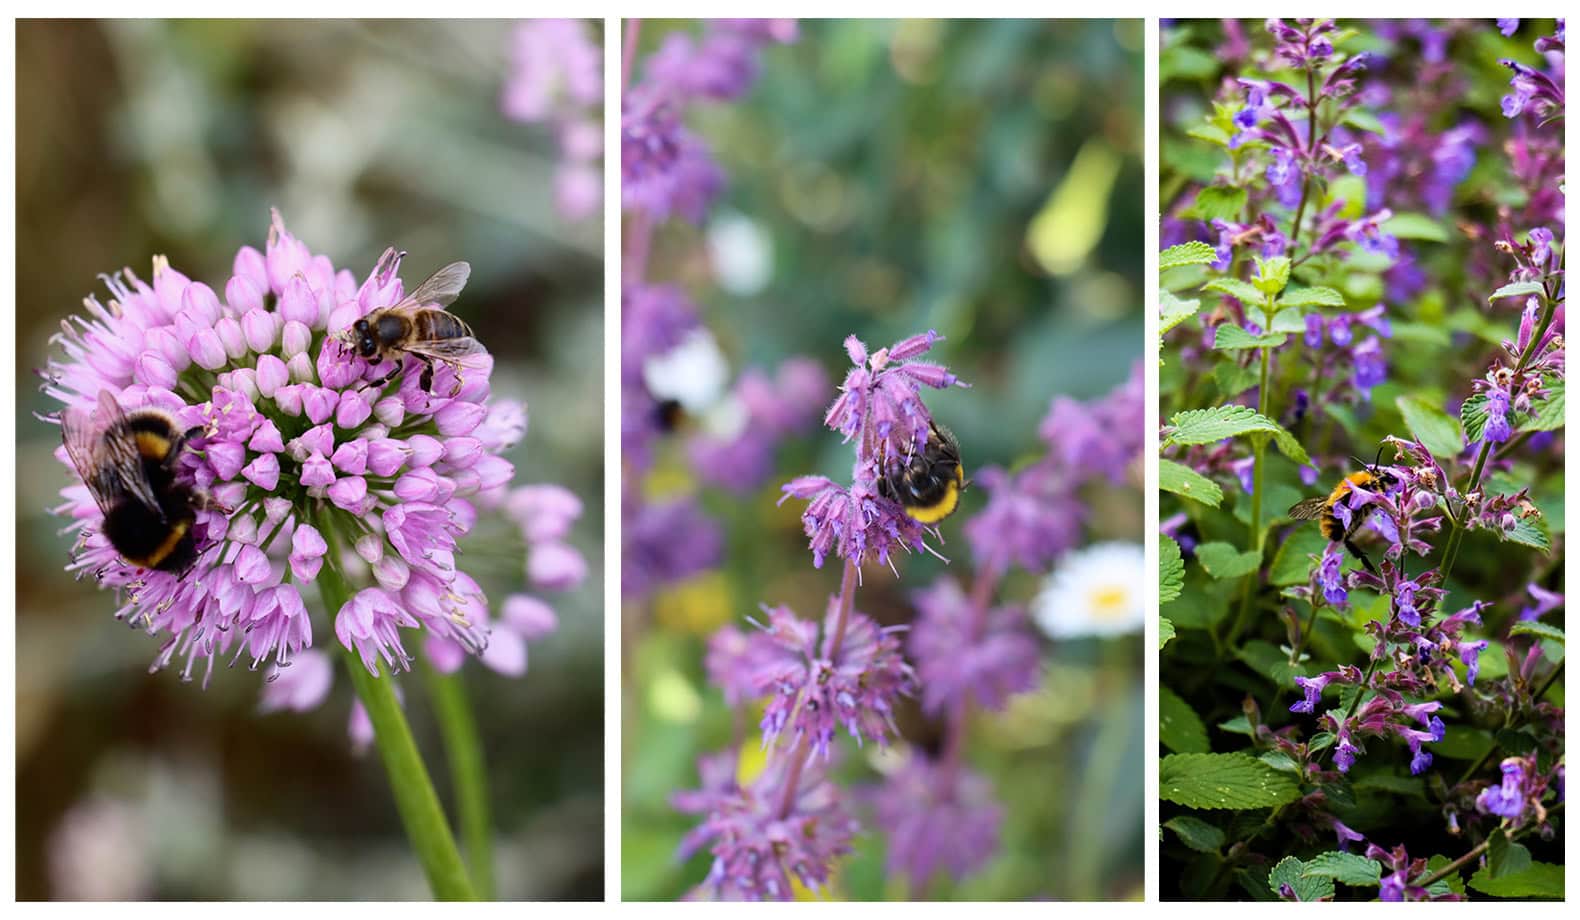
937,817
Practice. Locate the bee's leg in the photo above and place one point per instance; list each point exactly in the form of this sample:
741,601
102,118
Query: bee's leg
380,383
1355,551
426,383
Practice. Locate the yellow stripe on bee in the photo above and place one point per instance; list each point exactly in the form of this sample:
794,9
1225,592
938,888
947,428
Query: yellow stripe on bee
945,506
152,445
163,550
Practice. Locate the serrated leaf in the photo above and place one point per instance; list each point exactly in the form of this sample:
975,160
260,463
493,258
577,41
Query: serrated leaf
1221,560
1230,781
1232,338
1538,880
1279,761
1187,483
1290,872
1473,417
1217,202
1548,414
1179,728
1196,833
1165,631
1272,275
1234,287
1172,311
1438,430
1415,227
1194,252
1171,569
1349,868
1528,532
1206,426
1232,379
1311,297
1517,289
1270,661
1292,564
1537,628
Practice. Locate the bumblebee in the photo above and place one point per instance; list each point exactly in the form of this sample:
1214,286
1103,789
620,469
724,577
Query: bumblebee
929,486
418,327
128,462
1372,477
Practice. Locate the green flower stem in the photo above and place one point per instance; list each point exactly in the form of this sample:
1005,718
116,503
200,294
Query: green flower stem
1258,449
415,799
468,773
1457,534
1428,881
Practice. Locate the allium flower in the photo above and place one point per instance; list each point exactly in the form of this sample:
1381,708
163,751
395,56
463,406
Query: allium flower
300,457
557,77
963,655
822,680
936,817
759,838
1096,591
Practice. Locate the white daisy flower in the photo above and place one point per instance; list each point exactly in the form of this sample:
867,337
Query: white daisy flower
1095,592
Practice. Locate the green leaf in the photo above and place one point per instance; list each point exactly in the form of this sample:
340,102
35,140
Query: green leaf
1363,119
1220,560
1217,202
1415,227
1448,883
1212,134
1548,414
1232,379
1538,880
1179,728
1271,274
1311,297
1193,253
1237,289
1292,564
1232,338
1289,871
1172,311
1270,661
1517,289
1538,628
1433,427
1528,532
1206,426
1187,483
1165,631
1504,856
1233,781
1196,833
1349,868
1473,417
1171,569
1279,761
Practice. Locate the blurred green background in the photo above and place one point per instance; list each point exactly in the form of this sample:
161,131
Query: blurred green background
144,137
979,178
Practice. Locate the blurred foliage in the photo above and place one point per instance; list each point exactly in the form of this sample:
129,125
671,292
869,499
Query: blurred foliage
144,137
983,179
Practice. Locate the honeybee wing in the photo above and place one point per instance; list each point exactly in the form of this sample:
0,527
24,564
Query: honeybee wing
464,352
105,453
441,289
1308,509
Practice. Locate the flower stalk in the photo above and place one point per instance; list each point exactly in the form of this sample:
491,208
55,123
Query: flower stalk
468,773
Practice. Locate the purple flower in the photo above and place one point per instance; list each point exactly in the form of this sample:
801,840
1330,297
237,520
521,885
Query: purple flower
665,542
280,463
880,399
1032,517
759,837
1497,429
1507,799
963,655
821,680
936,817
857,524
1508,26
1331,577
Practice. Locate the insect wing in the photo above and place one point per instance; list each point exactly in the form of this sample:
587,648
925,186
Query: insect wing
1308,509
463,352
105,453
441,289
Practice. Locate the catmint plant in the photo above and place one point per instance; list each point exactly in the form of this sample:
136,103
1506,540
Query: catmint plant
337,500
1359,685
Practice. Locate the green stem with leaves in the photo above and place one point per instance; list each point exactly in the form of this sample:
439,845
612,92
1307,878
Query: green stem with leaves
468,774
1258,451
415,799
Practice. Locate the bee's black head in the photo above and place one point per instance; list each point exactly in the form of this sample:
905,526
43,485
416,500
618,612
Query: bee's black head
363,335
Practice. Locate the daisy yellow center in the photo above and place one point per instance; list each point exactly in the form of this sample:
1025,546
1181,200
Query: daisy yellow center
1108,601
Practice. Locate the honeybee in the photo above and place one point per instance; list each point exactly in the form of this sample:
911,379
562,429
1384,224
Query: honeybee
128,462
1371,476
929,486
418,327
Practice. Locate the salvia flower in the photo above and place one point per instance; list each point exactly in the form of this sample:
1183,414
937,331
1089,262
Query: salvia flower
295,442
937,817
965,655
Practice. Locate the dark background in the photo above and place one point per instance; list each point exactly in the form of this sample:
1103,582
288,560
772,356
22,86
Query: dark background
144,137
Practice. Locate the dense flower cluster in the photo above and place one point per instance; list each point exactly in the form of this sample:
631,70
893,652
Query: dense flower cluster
557,79
306,460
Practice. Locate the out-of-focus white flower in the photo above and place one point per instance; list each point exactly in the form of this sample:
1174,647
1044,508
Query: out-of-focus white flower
1095,592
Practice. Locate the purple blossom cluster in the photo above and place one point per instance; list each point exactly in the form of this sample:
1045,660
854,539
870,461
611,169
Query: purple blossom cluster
306,460
556,79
